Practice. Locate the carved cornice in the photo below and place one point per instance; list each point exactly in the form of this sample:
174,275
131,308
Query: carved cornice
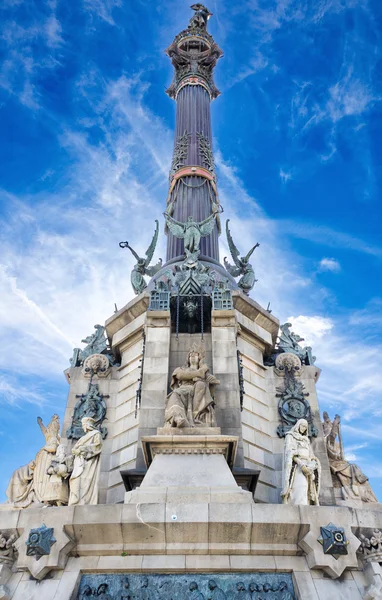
194,55
188,445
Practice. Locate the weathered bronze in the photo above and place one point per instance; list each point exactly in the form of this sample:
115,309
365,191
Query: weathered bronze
242,266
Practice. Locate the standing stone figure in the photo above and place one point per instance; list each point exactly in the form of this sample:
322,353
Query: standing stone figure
20,488
242,593
302,470
191,401
42,489
195,594
215,592
84,478
354,483
102,592
59,471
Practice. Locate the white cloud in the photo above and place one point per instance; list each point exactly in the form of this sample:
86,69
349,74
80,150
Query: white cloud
311,328
329,264
349,97
15,394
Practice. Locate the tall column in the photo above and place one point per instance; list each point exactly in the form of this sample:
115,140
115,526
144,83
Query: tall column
193,191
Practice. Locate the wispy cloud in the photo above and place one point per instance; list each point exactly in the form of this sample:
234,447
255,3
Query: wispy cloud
103,9
329,264
325,236
21,47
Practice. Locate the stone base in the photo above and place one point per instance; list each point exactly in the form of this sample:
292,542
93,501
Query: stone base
185,466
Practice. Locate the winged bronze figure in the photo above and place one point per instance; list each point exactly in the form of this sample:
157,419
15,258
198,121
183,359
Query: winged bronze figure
191,231
242,266
142,267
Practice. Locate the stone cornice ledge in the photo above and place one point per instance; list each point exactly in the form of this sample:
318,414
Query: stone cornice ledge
203,525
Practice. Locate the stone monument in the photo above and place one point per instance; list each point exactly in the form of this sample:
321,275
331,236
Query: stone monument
192,462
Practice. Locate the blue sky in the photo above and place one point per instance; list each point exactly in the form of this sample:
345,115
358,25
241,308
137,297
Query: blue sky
86,142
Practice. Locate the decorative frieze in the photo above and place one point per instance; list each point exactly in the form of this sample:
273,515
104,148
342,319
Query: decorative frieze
195,586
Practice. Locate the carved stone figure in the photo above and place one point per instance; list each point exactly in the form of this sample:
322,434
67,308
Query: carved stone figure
285,594
254,588
302,470
84,478
371,546
191,401
33,482
201,16
102,592
290,342
215,593
8,551
354,483
191,231
43,490
91,404
59,470
87,592
142,267
242,593
242,266
96,343
20,488
195,594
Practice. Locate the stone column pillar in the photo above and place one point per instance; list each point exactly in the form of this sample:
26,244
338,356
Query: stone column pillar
225,368
155,376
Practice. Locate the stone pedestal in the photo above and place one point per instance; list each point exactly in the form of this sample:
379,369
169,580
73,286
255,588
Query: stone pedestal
189,468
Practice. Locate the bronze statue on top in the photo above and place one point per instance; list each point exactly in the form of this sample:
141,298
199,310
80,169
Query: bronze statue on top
200,18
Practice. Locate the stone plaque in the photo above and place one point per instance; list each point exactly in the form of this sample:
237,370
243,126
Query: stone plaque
193,586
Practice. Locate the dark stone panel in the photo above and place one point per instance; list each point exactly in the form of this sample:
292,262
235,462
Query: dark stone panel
195,586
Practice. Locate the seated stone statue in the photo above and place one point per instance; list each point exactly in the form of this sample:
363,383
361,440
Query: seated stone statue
20,488
191,401
302,470
355,484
